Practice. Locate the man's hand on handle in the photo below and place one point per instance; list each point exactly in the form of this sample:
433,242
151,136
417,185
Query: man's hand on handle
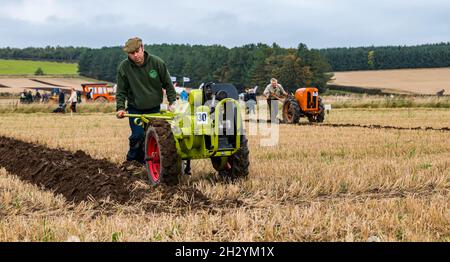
278,97
120,114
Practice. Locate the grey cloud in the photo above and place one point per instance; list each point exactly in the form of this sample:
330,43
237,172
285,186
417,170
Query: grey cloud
322,23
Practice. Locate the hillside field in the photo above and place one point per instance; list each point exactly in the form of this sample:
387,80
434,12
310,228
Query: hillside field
25,67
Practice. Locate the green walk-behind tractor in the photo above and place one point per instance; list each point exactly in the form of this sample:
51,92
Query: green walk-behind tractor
209,125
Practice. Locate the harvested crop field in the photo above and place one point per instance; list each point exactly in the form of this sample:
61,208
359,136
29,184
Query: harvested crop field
409,81
16,84
62,176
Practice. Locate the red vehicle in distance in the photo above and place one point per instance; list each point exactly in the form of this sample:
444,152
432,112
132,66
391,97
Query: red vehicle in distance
99,92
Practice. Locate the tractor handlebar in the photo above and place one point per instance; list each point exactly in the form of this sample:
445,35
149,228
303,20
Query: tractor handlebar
141,119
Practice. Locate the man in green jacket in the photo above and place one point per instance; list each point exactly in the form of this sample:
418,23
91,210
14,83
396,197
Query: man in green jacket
140,81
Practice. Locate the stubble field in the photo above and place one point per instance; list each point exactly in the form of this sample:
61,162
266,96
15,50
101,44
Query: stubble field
409,81
320,183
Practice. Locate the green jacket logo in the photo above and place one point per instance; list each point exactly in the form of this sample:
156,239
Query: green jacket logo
153,73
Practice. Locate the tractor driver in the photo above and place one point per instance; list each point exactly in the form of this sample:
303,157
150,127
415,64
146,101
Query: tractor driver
141,79
274,91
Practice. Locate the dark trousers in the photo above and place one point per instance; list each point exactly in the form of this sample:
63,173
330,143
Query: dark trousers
73,107
137,138
273,113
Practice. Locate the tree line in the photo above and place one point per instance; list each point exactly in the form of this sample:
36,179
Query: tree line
248,65
57,54
245,66
388,57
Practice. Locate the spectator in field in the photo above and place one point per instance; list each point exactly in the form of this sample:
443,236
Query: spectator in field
274,92
45,98
29,97
23,97
89,95
72,101
61,99
141,79
250,100
37,97
78,97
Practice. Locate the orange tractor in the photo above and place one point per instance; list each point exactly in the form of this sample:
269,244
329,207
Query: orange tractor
304,103
99,92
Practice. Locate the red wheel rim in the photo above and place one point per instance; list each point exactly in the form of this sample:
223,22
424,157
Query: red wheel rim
153,156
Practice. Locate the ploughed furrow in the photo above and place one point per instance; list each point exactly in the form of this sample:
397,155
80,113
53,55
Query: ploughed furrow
76,176
427,128
420,128
79,177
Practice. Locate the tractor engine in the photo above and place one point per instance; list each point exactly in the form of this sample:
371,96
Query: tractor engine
227,120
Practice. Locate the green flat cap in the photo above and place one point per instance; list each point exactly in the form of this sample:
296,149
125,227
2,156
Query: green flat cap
132,45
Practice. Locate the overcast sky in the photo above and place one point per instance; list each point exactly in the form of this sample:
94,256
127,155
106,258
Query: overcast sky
319,23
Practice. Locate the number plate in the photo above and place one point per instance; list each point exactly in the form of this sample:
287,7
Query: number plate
202,118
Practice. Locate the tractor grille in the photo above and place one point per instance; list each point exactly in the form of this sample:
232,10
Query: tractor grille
228,129
311,101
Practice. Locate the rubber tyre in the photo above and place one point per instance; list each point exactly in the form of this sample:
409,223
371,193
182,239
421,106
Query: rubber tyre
321,117
291,111
101,100
237,165
164,166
